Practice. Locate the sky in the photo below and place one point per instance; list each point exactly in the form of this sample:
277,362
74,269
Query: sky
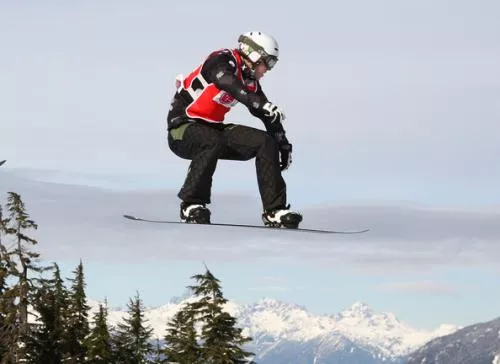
387,103
427,265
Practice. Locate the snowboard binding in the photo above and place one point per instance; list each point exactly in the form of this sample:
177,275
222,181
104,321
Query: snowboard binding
195,214
282,218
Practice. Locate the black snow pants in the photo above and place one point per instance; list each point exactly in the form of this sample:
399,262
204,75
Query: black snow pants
204,144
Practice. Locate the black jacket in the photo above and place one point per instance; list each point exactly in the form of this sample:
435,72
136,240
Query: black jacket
220,68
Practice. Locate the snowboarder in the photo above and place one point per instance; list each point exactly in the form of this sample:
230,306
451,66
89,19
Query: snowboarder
197,132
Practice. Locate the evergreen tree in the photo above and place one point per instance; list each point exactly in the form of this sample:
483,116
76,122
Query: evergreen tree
4,231
222,340
18,263
47,338
6,303
77,318
22,222
99,341
8,314
181,344
131,340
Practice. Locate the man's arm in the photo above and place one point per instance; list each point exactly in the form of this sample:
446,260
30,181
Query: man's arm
220,69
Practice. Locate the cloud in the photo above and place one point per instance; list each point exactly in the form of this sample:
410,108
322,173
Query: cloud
86,222
385,125
418,287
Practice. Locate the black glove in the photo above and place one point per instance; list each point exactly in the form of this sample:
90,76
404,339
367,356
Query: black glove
285,149
285,156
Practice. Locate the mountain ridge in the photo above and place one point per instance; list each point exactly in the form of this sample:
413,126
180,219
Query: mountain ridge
275,324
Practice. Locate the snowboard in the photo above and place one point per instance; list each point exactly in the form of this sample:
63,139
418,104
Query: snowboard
2,162
320,231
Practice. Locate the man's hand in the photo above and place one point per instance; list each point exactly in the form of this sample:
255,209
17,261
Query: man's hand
285,149
272,113
285,156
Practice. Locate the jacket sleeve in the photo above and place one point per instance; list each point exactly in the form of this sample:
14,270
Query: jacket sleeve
272,128
221,70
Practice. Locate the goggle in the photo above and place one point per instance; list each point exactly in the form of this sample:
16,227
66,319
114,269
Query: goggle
269,61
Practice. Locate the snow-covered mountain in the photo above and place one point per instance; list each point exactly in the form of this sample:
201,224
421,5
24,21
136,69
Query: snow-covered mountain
478,344
285,333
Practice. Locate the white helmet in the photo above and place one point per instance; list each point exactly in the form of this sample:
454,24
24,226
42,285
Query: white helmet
259,47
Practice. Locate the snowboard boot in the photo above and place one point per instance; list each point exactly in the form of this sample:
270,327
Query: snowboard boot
195,213
282,217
